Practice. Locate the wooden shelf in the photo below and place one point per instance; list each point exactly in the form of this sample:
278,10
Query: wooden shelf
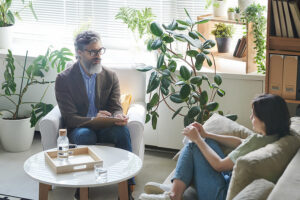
248,64
228,56
278,45
292,101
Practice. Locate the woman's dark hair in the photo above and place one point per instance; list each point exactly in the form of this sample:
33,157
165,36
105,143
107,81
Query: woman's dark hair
273,111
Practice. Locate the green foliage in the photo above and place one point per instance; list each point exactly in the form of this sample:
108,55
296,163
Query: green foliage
136,19
7,17
255,13
230,10
185,86
237,10
215,3
33,74
222,30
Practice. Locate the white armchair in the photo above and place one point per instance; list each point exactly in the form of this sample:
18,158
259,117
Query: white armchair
135,85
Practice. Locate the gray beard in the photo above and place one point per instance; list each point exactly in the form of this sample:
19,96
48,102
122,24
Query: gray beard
92,69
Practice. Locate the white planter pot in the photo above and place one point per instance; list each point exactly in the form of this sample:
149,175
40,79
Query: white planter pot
16,135
243,4
230,15
221,10
237,16
6,37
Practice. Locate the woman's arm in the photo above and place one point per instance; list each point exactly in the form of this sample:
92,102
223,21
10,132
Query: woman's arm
227,140
211,156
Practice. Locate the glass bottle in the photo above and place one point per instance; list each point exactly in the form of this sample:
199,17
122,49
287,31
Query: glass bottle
62,145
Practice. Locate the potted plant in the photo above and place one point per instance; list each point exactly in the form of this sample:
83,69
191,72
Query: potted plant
223,34
7,20
185,86
237,13
255,14
219,7
17,124
230,13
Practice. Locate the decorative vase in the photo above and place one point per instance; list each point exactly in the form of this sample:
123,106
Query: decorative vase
16,135
221,9
243,4
223,44
230,15
6,37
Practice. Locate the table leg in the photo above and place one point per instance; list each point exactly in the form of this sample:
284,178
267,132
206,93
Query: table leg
43,191
123,190
84,193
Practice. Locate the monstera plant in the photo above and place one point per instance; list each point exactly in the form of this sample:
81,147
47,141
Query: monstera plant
186,86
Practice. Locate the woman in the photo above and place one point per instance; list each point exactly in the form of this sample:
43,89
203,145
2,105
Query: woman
203,163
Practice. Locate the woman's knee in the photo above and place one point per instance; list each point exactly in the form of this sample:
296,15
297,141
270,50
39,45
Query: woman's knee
121,132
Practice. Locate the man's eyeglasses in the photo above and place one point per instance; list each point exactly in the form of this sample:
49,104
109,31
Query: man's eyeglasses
101,51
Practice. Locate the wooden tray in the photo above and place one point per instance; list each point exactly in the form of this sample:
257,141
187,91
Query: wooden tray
82,158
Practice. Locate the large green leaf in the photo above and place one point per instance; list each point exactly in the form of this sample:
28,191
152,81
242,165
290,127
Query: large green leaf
171,26
194,111
172,65
154,100
156,44
199,60
168,39
193,35
177,112
154,119
164,90
39,110
212,106
148,117
160,61
185,73
9,84
176,98
202,21
218,79
144,69
232,117
220,92
153,82
203,98
185,23
156,29
165,82
187,120
197,80
192,53
185,91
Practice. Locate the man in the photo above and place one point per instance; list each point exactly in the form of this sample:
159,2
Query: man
87,90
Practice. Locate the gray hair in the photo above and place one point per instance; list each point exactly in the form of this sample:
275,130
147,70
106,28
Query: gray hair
85,38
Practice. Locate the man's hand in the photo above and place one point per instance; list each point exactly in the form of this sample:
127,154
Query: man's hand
192,133
103,113
123,118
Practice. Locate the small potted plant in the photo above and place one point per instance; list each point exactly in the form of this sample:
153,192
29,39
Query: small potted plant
230,13
7,20
237,13
219,7
223,34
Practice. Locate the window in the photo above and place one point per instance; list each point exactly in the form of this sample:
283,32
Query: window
60,20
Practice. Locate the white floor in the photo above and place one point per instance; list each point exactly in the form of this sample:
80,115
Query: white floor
14,181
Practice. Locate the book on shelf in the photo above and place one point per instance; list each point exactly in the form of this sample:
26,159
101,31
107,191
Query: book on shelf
276,18
241,47
236,47
282,19
294,8
290,69
289,24
275,74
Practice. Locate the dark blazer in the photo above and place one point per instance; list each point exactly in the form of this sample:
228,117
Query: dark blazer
72,97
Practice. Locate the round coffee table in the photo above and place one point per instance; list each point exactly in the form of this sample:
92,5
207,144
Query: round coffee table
121,165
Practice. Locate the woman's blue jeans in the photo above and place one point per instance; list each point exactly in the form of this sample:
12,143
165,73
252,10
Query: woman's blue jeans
117,135
193,168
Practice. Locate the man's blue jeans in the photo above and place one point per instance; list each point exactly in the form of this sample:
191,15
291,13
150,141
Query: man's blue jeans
192,167
117,135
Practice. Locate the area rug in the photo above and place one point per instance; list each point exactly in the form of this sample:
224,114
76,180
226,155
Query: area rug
8,197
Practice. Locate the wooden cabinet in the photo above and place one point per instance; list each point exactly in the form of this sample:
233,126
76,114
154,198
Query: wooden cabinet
278,45
245,64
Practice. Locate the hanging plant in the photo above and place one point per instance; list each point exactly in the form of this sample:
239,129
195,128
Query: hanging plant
255,14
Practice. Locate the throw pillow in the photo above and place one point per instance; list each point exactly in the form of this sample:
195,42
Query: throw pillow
258,190
268,163
125,102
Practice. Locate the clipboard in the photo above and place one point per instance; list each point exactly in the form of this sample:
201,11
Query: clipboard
100,122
